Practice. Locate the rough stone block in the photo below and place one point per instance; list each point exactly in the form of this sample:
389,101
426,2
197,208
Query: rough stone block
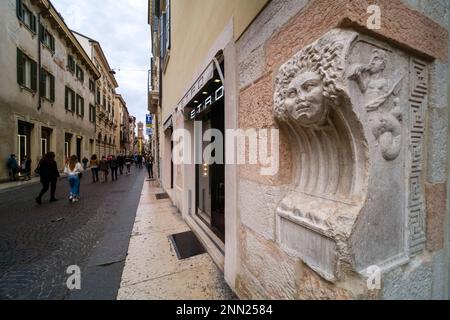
400,25
252,67
439,83
257,205
437,142
271,268
436,201
413,282
440,270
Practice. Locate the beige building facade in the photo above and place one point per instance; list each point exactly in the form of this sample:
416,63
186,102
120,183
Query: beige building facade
358,207
107,126
44,88
121,132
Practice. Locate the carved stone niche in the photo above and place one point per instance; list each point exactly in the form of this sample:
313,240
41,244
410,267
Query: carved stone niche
353,108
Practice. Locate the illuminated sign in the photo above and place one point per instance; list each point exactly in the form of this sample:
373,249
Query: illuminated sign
207,103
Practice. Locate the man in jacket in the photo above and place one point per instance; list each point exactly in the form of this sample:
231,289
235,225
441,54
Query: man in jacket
13,167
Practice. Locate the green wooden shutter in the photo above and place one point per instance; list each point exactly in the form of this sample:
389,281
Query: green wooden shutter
41,33
42,86
67,98
19,9
52,88
33,23
82,107
52,43
20,67
34,71
72,93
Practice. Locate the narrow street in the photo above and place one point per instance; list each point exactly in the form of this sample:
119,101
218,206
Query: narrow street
39,243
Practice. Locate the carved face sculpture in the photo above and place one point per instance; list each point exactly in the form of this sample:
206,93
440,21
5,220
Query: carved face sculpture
304,100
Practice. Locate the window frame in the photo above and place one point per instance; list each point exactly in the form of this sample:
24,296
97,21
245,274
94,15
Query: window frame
26,71
50,96
70,104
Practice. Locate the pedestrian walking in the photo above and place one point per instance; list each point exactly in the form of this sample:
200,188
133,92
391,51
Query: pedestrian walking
13,167
85,163
103,167
149,165
49,174
27,168
139,160
93,164
113,164
74,171
128,164
121,162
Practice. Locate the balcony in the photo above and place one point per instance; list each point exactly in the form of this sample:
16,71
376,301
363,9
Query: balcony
153,101
100,112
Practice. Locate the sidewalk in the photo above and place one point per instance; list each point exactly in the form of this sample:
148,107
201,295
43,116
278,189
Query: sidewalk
152,270
11,185
17,184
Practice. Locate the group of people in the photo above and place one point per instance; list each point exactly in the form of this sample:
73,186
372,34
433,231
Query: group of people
14,168
49,174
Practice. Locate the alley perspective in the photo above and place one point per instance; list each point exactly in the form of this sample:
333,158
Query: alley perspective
224,150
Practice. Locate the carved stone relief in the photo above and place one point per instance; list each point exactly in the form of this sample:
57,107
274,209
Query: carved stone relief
381,102
343,101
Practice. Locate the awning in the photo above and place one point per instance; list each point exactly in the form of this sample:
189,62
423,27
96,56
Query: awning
206,75
168,123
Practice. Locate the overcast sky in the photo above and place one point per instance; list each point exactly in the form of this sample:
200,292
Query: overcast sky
121,28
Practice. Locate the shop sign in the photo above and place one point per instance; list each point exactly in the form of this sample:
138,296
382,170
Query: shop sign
197,86
216,96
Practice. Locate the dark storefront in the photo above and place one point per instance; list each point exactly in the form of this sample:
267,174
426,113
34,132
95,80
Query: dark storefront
207,108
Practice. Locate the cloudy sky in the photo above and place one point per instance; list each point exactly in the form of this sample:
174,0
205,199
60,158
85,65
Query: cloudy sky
122,30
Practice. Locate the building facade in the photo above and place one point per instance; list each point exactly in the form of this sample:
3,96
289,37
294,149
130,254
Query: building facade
350,201
45,97
107,127
121,118
132,135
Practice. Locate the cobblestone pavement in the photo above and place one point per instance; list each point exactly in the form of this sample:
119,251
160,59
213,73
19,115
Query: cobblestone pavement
38,243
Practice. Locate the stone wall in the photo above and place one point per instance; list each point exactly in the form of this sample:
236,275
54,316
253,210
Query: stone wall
399,222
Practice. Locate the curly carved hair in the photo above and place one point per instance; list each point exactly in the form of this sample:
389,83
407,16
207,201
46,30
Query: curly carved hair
325,60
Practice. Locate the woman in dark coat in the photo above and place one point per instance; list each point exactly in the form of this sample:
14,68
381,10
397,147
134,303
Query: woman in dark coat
49,174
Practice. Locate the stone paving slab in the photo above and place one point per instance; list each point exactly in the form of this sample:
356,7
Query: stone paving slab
152,270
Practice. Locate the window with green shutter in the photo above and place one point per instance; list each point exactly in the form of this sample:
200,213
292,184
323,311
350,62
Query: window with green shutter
46,38
26,71
70,63
47,85
80,106
70,102
20,68
26,16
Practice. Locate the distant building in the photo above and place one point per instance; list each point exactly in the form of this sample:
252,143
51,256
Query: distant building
107,126
46,101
